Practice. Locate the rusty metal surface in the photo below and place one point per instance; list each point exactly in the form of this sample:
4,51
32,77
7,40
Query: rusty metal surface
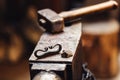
68,39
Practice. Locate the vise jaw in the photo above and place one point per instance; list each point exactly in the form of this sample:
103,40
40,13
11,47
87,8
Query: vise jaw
67,68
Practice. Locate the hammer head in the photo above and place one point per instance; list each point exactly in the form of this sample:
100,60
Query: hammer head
50,20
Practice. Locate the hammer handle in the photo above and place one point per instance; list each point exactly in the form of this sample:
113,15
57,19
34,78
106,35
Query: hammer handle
70,15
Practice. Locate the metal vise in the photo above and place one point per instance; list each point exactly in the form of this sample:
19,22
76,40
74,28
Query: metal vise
59,56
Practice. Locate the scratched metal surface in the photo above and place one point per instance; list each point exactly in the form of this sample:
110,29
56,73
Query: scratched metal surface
69,40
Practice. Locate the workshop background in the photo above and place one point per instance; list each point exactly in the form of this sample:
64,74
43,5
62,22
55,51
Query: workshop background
19,33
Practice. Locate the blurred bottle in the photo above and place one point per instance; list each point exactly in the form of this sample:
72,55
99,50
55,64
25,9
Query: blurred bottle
100,46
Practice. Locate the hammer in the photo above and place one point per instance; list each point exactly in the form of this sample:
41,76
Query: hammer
54,22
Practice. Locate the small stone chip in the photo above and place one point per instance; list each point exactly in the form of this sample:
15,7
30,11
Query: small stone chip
66,54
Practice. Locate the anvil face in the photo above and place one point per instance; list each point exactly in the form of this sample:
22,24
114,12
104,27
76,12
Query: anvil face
60,53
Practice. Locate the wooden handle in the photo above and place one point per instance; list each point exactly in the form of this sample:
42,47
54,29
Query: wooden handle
70,15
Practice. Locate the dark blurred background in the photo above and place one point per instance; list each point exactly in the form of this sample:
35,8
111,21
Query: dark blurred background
19,31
